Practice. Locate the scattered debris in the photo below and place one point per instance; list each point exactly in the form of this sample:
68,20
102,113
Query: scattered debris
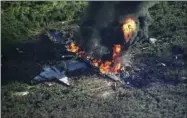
58,71
176,57
21,93
63,22
152,40
48,74
124,74
163,64
67,56
56,37
73,63
109,83
144,48
64,79
184,78
49,84
19,51
113,77
105,94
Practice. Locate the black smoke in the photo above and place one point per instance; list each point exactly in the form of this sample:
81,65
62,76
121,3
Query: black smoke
100,28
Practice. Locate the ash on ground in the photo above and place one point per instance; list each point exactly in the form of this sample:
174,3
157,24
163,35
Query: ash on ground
155,71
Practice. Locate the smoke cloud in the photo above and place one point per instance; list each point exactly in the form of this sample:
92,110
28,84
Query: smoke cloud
100,28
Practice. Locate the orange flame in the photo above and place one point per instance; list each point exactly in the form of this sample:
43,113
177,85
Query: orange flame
95,62
105,67
81,54
116,68
129,28
72,47
113,66
116,51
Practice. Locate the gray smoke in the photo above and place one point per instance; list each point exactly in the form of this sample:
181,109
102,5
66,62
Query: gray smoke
100,27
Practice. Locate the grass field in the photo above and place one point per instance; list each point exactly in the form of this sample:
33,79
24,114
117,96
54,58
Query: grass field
90,96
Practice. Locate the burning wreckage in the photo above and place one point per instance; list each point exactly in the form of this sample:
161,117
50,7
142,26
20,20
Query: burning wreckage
106,32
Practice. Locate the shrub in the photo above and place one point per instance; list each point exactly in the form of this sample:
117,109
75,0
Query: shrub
22,19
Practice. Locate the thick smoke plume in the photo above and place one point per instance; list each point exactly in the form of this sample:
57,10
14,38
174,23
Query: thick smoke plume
100,28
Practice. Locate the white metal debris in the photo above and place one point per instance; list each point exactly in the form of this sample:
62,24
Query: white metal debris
75,65
18,50
21,93
49,84
51,73
184,78
58,71
113,77
63,78
152,40
144,48
176,57
163,64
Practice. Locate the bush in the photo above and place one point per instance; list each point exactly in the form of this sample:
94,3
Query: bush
168,27
22,19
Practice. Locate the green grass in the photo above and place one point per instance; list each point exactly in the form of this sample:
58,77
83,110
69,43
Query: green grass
85,100
23,19
168,27
93,97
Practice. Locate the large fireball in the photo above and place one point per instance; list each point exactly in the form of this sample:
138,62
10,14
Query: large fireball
129,28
